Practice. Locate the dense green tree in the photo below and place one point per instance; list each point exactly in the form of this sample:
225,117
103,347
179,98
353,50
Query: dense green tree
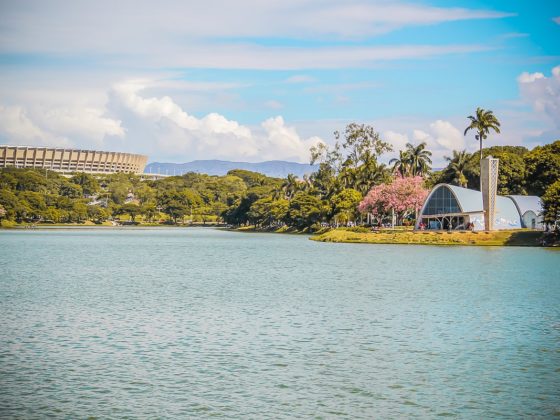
238,212
511,174
150,211
482,122
290,186
79,212
345,205
251,179
304,210
551,204
131,209
259,213
97,214
119,191
52,214
7,180
279,210
35,200
178,203
145,194
31,180
87,182
543,167
71,190
268,212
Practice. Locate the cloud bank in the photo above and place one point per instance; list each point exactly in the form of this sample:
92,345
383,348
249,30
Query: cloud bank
542,92
155,125
441,138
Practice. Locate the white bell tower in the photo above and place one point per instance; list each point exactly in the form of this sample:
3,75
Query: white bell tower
488,188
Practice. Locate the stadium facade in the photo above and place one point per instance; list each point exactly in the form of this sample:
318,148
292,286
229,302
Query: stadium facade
71,160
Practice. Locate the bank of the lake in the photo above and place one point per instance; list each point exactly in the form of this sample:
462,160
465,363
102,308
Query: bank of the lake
5,224
387,236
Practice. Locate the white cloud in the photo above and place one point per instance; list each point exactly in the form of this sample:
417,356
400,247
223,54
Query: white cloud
131,119
17,128
441,138
145,27
529,77
447,135
284,139
249,56
543,93
397,140
157,108
167,130
81,122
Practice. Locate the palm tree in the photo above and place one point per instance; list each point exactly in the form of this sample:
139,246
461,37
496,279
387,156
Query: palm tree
370,175
290,186
348,177
401,165
482,123
457,166
419,158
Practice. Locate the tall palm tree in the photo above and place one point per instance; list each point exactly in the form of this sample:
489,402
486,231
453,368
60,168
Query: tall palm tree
419,159
401,165
457,165
483,122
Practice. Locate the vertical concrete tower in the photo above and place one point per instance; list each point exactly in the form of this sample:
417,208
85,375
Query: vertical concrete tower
488,188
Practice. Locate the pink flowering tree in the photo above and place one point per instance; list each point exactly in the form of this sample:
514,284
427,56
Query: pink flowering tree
403,196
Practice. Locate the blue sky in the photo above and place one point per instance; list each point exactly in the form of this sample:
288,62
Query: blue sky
250,80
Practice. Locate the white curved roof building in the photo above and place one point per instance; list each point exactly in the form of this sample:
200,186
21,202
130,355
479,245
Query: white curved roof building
71,160
451,207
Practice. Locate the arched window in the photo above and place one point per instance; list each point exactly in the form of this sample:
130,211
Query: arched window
442,201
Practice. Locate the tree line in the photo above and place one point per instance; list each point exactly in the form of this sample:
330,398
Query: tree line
350,185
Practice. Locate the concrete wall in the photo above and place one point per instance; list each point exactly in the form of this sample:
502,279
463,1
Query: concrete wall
71,160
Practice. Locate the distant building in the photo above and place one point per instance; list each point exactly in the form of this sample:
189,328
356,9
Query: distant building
71,160
449,207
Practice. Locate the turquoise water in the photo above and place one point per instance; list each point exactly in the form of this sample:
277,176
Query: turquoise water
192,323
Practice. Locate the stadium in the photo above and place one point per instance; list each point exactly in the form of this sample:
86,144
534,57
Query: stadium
71,160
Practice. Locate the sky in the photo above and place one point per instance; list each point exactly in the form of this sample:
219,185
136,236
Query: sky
251,80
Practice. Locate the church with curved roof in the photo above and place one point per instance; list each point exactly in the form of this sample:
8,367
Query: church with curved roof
449,207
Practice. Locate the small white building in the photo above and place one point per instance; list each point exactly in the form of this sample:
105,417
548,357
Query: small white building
449,207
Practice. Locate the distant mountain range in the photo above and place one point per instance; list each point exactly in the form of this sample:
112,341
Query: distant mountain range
273,168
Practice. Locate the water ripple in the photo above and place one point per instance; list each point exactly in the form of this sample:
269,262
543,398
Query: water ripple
196,323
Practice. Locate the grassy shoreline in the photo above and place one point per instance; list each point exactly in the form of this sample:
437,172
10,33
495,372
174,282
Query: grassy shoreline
524,237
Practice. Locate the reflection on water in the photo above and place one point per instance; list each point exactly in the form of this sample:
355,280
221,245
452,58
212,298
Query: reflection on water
174,323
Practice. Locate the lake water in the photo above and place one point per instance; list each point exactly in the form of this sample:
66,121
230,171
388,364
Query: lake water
193,323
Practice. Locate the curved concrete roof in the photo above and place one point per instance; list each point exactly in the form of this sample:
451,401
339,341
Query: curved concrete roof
469,200
524,203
